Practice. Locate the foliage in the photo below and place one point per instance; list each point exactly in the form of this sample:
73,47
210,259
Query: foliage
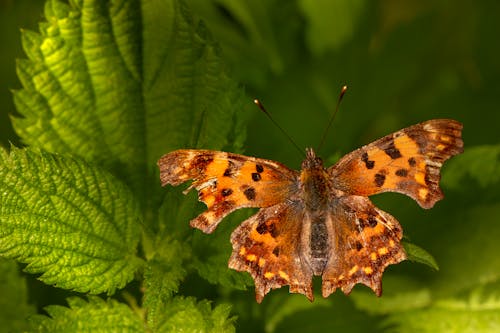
110,86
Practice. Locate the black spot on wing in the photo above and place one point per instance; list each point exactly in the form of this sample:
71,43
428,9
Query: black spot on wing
402,172
230,170
201,162
226,192
392,151
369,164
379,179
249,193
261,228
267,228
372,222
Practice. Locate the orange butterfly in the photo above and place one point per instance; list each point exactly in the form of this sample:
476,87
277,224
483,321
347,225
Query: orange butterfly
318,221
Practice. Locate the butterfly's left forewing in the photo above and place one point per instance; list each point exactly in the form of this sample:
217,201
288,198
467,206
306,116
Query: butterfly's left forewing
226,182
408,161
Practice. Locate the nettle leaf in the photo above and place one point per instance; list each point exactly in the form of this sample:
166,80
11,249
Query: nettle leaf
162,277
14,306
82,84
259,37
213,252
70,221
120,83
209,253
94,315
188,98
185,315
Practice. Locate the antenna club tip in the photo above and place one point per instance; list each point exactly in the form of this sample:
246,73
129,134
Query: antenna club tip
342,92
256,101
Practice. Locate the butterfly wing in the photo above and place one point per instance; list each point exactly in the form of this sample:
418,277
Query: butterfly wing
226,181
268,246
408,161
365,241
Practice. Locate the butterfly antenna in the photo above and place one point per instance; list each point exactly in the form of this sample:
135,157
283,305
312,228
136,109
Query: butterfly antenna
263,109
341,95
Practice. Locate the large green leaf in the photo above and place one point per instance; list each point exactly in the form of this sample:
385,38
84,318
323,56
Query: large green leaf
121,83
72,222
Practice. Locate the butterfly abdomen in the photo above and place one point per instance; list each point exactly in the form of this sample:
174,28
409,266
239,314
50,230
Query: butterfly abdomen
316,189
319,244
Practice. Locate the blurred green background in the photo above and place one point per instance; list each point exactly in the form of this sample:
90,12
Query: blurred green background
14,16
404,62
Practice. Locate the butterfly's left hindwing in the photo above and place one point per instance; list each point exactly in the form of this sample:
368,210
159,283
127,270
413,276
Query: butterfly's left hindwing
226,182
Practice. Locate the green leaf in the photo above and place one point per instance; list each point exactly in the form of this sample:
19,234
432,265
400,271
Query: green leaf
475,315
212,252
94,315
81,82
162,277
70,221
209,253
14,307
417,254
120,83
185,315
188,97
259,37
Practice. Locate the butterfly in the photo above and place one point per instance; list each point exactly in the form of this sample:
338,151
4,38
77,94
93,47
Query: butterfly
317,221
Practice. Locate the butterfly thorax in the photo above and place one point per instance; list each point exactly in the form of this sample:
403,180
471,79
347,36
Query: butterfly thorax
316,185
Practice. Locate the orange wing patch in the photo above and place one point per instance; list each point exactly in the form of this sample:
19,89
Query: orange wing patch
226,182
408,161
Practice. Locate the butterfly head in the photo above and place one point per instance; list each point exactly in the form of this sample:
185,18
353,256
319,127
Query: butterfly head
312,161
